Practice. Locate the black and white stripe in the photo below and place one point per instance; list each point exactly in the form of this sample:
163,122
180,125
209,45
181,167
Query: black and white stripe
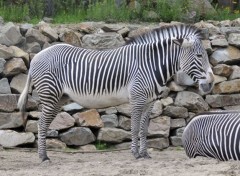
213,134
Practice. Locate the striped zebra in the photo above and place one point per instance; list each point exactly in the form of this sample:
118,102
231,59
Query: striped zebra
134,73
213,134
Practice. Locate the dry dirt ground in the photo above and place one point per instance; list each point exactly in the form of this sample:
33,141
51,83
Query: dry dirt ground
169,162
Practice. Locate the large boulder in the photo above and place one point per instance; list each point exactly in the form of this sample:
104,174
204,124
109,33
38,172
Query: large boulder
124,122
234,39
11,120
71,37
32,126
232,86
48,31
175,112
217,101
18,83
2,63
159,127
192,101
77,136
34,35
4,86
110,120
14,66
10,35
9,138
102,40
113,135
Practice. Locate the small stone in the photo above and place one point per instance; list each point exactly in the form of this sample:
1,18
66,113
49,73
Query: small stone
158,143
222,70
177,123
113,135
234,39
72,107
4,86
167,101
11,120
14,67
124,109
32,126
62,121
157,109
110,121
159,127
125,123
235,73
175,112
232,86
18,83
90,118
176,141
55,144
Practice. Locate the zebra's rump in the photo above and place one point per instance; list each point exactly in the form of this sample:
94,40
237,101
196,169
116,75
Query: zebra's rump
215,135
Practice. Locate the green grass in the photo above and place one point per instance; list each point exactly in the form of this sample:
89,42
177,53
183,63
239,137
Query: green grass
102,145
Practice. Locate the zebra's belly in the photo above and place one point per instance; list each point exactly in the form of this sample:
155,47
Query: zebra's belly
99,101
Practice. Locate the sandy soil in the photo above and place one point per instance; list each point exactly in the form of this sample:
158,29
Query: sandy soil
170,162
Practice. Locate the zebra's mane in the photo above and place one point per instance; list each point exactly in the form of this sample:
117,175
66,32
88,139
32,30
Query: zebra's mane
166,32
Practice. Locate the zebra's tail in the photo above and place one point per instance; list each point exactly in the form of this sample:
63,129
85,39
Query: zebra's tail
22,101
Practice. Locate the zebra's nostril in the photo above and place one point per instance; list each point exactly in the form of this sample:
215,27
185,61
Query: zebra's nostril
206,87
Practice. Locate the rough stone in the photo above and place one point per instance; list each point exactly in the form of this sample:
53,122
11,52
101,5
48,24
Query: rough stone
113,135
236,22
216,101
222,70
177,123
125,123
24,28
35,114
158,143
4,86
232,108
19,53
72,107
124,109
207,46
55,144
10,35
34,35
71,38
181,78
191,101
11,120
102,40
8,102
88,148
5,52
176,141
167,101
235,73
173,86
33,47
18,83
2,63
234,39
110,110
178,132
52,133
218,79
225,23
157,109
110,120
90,118
220,42
14,67
139,31
229,55
62,121
9,138
232,86
213,30
159,127
229,30
49,32
77,136
32,126
175,112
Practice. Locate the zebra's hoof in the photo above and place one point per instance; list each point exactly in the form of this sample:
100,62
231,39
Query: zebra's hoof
136,155
45,162
145,155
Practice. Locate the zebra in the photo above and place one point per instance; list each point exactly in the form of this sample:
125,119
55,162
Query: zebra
213,134
134,73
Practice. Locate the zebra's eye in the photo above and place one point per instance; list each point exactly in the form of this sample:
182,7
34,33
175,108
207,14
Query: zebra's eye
199,55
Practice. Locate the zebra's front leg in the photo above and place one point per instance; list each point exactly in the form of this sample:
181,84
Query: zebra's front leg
144,130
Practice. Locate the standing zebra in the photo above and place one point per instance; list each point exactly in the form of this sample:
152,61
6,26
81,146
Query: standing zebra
213,134
135,73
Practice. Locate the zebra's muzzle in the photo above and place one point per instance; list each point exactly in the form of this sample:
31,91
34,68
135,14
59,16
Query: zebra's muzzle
206,88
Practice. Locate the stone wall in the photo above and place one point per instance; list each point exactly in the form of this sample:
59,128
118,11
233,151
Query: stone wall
78,127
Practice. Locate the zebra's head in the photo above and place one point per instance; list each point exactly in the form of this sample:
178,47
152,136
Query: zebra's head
194,63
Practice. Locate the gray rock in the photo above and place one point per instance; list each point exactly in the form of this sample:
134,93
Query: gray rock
18,83
14,67
232,86
33,47
222,70
110,121
90,118
49,32
87,148
234,39
24,28
178,132
9,138
52,133
72,107
207,46
173,86
236,22
176,141
159,127
55,144
102,40
167,101
213,30
158,143
77,136
216,101
2,63
124,109
112,27
34,35
192,101
71,38
32,126
4,86
235,73
19,53
62,121
35,114
11,120
229,55
5,52
110,110
157,109
220,42
177,123
175,112
225,23
123,145
10,35
125,123
229,30
218,79
113,135
8,102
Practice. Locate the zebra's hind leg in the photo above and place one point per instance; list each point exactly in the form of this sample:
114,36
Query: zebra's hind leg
144,130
